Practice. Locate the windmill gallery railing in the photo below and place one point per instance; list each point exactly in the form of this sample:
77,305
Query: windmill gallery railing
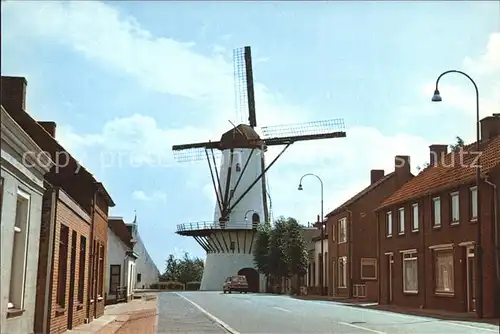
210,225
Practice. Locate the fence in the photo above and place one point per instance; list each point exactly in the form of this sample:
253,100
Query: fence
209,225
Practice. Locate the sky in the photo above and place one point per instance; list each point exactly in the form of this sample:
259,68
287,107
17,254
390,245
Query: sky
125,80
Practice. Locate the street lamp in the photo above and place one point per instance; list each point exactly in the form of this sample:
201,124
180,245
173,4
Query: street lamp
246,214
321,225
436,97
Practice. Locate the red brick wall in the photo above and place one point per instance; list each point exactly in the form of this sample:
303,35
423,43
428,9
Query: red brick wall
361,236
101,236
428,236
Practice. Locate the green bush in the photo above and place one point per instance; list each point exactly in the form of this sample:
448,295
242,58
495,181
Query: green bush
192,286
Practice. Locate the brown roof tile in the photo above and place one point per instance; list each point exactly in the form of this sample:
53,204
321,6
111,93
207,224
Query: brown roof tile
119,228
449,173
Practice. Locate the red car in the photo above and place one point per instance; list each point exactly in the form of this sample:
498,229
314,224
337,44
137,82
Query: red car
235,283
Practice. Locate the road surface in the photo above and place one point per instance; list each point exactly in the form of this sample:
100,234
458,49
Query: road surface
215,312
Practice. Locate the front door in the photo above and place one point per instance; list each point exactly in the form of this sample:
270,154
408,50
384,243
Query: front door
390,272
471,280
334,276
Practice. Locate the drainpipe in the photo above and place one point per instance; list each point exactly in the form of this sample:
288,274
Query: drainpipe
496,256
379,286
91,256
349,253
50,260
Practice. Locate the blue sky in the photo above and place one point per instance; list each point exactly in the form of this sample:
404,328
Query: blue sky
126,80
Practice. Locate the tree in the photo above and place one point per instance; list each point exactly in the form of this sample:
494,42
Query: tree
183,270
459,143
261,249
281,252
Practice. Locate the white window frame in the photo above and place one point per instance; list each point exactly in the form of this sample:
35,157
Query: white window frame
19,266
407,256
342,226
436,206
473,203
369,262
455,207
401,221
388,223
342,260
415,224
436,250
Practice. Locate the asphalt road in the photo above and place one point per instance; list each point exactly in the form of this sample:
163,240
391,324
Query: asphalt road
262,313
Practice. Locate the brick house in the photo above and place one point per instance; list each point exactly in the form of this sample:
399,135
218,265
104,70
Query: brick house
427,231
352,253
73,237
21,190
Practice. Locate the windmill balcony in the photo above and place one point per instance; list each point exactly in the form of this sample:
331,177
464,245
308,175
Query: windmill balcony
209,226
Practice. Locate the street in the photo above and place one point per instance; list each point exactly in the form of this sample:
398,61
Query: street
211,312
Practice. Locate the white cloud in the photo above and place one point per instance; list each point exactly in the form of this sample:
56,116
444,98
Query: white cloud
100,33
140,195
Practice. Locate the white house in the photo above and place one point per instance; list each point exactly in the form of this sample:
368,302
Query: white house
23,166
122,259
146,271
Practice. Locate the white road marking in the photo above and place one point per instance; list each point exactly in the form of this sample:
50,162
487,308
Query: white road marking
360,327
281,309
472,327
211,316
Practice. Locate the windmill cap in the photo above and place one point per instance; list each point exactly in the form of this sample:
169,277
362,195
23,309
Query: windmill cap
242,136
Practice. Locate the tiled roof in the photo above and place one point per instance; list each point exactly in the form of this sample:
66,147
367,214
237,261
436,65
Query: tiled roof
117,225
450,173
359,195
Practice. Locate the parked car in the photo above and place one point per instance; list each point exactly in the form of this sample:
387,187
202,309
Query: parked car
235,283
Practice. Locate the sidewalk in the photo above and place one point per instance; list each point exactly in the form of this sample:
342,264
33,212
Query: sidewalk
136,316
432,313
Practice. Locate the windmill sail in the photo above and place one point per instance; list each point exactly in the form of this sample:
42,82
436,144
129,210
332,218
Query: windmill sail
243,85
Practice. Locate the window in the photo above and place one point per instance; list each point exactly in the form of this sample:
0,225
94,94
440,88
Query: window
414,221
389,223
342,279
100,288
81,269
368,268
455,208
19,251
333,232
436,212
410,272
62,265
401,217
342,230
473,203
139,278
443,268
114,278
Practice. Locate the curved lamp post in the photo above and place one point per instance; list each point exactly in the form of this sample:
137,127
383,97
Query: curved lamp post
246,214
321,225
478,252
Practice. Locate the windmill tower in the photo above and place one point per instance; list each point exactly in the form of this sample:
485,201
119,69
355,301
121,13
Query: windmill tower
240,183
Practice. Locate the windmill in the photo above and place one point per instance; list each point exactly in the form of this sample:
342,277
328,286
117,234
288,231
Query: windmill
240,182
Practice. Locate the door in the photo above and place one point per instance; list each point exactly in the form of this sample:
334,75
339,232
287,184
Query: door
390,273
334,280
471,280
114,279
71,299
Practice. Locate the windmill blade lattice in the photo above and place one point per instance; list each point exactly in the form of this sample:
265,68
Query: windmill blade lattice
304,129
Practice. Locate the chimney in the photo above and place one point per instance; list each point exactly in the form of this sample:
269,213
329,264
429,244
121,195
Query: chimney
437,153
14,93
376,174
402,165
50,127
490,127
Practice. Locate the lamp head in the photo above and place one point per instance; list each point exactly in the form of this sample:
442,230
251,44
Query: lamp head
436,97
300,187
